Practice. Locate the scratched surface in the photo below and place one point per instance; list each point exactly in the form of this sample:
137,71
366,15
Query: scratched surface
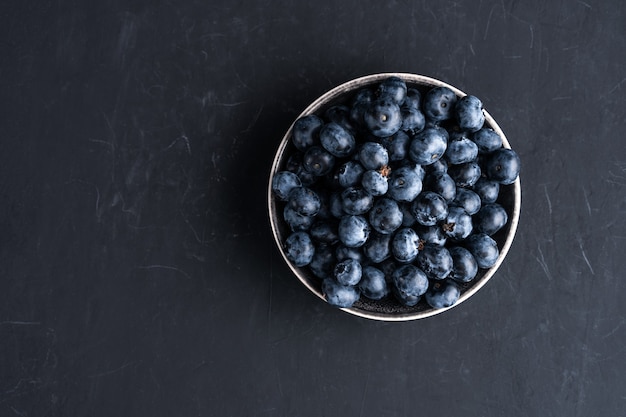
138,276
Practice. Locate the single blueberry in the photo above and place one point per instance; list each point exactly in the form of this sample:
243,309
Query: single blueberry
439,104
375,182
338,295
360,103
503,166
490,218
461,150
443,294
464,265
484,249
413,120
409,284
397,145
373,155
383,117
373,284
283,183
413,98
487,190
392,88
356,200
438,166
353,231
377,247
337,140
385,216
305,201
487,140
299,248
305,131
405,245
469,113
429,208
458,224
435,261
467,199
350,174
348,272
466,174
428,146
318,161
405,183
295,220
442,184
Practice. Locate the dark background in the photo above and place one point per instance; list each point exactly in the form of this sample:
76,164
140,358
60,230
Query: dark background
138,275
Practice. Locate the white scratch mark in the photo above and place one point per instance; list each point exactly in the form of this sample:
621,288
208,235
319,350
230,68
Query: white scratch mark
532,36
545,190
472,49
21,323
615,88
542,261
587,200
585,4
582,251
172,268
488,22
609,334
126,365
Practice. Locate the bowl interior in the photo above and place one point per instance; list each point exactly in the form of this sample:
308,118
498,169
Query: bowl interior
388,309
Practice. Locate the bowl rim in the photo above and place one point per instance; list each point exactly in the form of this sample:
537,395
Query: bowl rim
335,93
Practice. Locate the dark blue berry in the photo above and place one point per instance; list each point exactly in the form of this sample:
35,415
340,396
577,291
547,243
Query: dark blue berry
490,218
487,140
405,183
305,201
413,98
324,231
340,114
461,150
373,284
469,113
439,104
348,272
428,146
405,245
429,208
318,161
392,88
466,174
469,200
484,249
377,247
305,131
385,216
383,117
323,261
409,283
295,165
337,140
431,235
373,155
356,200
443,294
442,184
503,166
413,120
299,248
343,252
338,295
487,190
283,183
464,265
458,224
375,182
295,220
397,145
435,261
353,231
350,174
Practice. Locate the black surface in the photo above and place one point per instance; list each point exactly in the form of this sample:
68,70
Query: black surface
138,276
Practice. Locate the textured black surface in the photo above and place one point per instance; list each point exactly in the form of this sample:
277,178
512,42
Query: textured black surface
138,276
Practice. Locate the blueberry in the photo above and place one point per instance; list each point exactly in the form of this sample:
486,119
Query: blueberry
353,231
337,140
469,113
429,208
484,249
383,118
392,88
295,165
431,235
318,161
439,104
469,200
490,218
356,200
373,155
305,131
442,184
385,216
443,294
337,295
413,120
360,103
464,265
409,284
283,183
305,201
373,284
299,248
466,174
323,261
397,145
377,247
458,224
405,245
405,183
413,98
503,166
375,182
435,261
348,272
461,150
429,145
324,232
295,220
487,140
487,190
438,166
350,174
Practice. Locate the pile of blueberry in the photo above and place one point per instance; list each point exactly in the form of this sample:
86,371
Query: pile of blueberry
393,194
